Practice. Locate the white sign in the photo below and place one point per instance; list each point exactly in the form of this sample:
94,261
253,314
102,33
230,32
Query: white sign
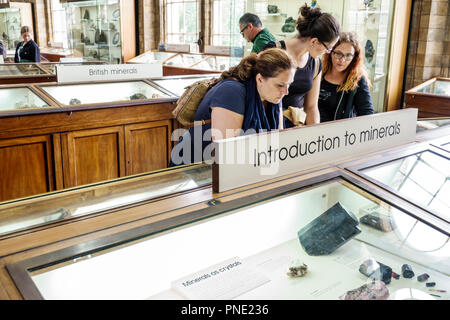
71,59
106,72
178,47
217,50
253,158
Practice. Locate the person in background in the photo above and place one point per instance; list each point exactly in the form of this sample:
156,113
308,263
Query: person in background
317,34
2,50
247,99
27,50
252,30
344,90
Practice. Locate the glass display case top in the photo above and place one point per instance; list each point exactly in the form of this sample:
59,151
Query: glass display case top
185,60
21,69
151,56
439,87
178,85
97,93
429,124
330,241
217,63
423,177
20,214
20,98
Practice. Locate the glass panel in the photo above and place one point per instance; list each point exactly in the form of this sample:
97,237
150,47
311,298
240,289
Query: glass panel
372,22
426,124
446,146
424,178
177,86
66,205
218,63
184,60
263,242
182,21
10,24
19,98
440,87
22,69
152,56
94,29
103,92
225,23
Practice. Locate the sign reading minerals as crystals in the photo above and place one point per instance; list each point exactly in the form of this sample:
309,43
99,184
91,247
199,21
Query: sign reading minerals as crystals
252,158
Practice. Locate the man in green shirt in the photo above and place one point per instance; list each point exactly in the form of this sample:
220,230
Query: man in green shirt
253,31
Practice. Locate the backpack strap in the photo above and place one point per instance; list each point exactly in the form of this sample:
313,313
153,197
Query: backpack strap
316,63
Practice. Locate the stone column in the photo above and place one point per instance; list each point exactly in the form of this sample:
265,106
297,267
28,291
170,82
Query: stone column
429,46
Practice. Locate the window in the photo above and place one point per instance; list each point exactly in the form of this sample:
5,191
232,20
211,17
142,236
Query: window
225,22
182,23
59,29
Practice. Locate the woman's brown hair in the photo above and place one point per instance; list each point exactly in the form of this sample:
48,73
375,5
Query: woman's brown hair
24,29
269,63
355,69
314,23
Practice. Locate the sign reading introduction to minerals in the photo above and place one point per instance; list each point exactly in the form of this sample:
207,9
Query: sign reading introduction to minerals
249,159
107,72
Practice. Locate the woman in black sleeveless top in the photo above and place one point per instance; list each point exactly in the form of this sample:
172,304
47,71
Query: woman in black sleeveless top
317,34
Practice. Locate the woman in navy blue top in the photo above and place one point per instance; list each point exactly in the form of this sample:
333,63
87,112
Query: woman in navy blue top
344,90
247,99
27,50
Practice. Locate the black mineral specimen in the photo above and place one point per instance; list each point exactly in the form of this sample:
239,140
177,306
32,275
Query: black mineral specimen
407,271
329,231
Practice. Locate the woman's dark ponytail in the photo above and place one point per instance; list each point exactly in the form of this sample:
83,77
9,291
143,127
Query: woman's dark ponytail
313,23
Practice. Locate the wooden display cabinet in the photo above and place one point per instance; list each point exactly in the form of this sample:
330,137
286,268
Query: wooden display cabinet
70,145
432,98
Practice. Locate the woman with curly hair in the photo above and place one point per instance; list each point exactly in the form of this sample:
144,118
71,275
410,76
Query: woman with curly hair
344,89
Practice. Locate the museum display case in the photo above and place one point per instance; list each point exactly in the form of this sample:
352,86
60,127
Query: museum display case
111,93
10,24
91,132
184,63
53,207
99,29
217,63
51,66
420,175
19,98
177,84
337,237
12,73
432,98
55,54
151,56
